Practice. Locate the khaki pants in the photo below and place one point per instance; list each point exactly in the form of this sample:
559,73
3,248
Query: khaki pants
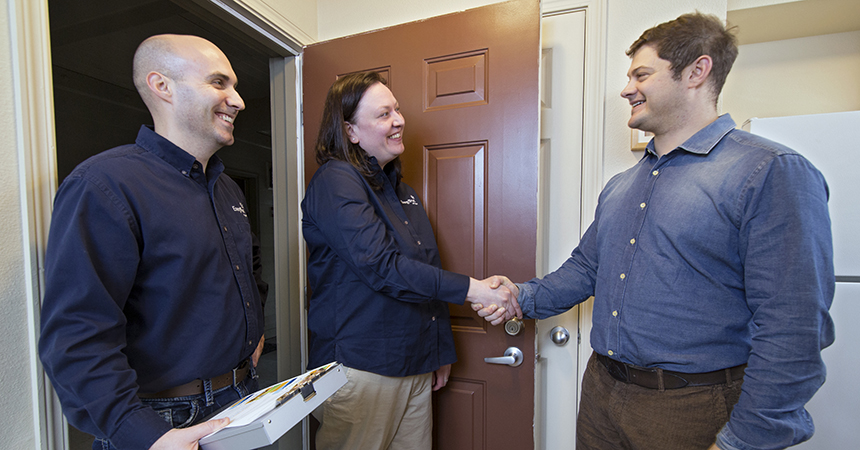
374,412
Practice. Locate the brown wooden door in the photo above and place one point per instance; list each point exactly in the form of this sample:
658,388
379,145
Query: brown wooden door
467,84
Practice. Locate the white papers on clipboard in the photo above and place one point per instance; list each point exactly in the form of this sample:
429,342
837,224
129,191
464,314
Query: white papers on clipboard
264,416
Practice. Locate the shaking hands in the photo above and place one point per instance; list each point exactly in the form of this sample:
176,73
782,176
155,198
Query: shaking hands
495,299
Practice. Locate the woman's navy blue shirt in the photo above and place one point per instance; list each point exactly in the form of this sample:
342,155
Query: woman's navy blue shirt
379,299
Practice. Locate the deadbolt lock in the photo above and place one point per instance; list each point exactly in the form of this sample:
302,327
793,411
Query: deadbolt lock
514,326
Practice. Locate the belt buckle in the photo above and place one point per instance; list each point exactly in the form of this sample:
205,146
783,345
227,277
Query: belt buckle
237,369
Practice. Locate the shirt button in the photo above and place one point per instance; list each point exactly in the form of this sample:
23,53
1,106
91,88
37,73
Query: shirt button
248,304
195,166
434,318
632,241
623,276
611,352
614,313
225,228
250,343
406,222
642,205
419,242
184,172
237,268
655,172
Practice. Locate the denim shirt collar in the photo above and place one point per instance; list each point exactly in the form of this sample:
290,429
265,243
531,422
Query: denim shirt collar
705,139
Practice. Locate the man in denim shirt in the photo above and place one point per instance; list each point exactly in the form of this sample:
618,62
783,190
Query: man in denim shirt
711,266
152,317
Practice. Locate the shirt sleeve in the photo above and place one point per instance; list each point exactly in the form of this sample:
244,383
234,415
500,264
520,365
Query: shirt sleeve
786,246
90,267
567,286
341,208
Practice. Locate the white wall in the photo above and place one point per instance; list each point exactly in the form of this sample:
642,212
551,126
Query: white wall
16,419
297,18
795,76
302,13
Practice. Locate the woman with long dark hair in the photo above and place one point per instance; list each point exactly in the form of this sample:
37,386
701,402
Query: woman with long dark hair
379,295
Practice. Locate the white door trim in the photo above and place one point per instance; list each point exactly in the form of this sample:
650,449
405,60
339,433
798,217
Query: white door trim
35,141
592,156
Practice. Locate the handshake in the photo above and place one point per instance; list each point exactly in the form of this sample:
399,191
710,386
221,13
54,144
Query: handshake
495,299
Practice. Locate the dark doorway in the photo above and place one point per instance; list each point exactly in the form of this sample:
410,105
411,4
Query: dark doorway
97,107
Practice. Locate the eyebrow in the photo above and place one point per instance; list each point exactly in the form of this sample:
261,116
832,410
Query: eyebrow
638,69
224,76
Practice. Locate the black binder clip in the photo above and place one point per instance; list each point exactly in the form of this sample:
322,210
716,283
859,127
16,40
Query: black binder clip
308,391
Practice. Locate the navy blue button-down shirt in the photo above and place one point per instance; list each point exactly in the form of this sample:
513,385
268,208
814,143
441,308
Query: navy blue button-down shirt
150,285
715,255
379,297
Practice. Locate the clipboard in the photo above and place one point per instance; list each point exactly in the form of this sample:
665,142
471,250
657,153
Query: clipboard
263,417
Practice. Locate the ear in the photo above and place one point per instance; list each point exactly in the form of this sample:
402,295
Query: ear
701,68
160,85
350,132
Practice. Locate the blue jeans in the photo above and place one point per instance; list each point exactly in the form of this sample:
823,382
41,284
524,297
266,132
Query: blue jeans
182,412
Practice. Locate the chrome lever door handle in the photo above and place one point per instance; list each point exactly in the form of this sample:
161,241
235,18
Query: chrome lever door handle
513,357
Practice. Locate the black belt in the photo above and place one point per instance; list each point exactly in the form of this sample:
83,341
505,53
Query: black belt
667,379
195,387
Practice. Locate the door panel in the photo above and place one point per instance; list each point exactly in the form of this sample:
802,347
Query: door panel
453,195
467,84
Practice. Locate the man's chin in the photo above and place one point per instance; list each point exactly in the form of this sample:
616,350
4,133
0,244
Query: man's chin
226,141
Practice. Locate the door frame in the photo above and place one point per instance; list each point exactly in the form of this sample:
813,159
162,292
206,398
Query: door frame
592,142
36,150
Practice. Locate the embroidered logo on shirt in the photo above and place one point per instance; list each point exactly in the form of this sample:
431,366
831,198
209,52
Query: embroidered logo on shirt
240,208
410,201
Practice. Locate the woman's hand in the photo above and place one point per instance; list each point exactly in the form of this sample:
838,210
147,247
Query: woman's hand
440,377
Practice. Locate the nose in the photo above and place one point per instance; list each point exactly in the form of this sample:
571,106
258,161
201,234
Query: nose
234,100
629,90
399,121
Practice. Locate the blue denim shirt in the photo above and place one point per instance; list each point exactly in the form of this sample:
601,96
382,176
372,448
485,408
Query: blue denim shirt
715,255
149,285
379,300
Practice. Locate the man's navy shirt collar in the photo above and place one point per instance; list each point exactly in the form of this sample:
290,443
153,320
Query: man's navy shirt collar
183,161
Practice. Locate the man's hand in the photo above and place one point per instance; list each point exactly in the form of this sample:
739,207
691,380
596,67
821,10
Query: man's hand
440,377
501,280
255,358
186,438
496,293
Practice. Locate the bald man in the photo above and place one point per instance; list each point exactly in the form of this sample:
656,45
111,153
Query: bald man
152,317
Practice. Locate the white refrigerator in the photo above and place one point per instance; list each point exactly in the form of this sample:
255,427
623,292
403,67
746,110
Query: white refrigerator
832,143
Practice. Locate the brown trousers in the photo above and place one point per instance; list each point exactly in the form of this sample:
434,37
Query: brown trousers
618,416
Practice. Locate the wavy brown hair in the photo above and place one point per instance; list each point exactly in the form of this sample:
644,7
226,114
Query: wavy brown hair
683,40
333,141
